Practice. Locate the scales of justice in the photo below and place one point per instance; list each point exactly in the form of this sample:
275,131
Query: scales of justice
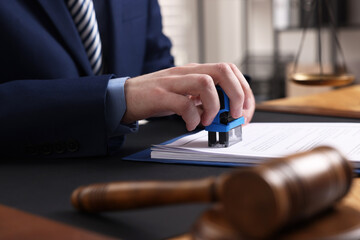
339,75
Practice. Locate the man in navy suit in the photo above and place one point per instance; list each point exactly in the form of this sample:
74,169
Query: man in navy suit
52,104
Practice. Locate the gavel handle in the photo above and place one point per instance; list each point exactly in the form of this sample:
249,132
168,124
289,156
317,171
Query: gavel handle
129,195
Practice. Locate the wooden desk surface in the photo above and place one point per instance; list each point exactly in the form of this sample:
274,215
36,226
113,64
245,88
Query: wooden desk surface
19,225
344,102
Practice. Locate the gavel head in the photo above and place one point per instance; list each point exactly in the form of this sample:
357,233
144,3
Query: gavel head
261,200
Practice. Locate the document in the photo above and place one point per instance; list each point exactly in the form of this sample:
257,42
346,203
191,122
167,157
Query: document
262,141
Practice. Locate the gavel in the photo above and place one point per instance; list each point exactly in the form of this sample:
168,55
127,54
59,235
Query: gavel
257,201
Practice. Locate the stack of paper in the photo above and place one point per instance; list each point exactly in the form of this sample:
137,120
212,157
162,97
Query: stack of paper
266,140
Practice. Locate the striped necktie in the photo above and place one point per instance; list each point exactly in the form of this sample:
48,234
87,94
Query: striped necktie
83,14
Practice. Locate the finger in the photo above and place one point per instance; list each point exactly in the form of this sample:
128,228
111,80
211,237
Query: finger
244,83
249,100
232,87
182,106
222,74
198,86
196,100
249,108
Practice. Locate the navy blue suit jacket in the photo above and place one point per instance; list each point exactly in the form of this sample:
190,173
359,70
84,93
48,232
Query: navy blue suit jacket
51,104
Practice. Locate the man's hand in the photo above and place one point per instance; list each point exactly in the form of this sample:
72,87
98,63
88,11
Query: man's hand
190,92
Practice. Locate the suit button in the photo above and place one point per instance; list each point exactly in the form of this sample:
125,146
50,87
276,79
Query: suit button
60,147
72,145
46,149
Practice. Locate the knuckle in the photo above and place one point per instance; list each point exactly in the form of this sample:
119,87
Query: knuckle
239,97
232,65
223,68
205,81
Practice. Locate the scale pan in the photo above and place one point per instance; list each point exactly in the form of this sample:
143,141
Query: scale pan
313,79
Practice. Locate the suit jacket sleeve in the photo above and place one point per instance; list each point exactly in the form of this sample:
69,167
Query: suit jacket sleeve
57,118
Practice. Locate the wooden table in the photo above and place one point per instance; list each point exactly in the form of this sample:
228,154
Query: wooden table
18,225
344,102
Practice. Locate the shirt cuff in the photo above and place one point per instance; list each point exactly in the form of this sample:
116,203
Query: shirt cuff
116,107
